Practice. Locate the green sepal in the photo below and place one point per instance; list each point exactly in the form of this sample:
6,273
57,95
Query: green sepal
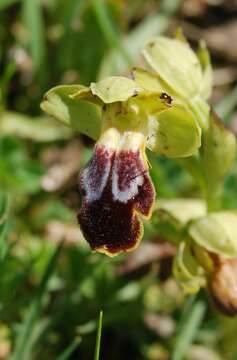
219,150
81,115
150,81
182,210
171,217
200,109
207,77
216,232
177,133
114,88
202,257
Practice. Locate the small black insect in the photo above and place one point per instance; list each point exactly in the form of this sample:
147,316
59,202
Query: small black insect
166,97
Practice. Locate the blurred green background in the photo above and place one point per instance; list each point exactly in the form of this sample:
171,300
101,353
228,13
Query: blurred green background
52,287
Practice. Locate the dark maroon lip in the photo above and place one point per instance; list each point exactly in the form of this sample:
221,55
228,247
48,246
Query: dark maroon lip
116,189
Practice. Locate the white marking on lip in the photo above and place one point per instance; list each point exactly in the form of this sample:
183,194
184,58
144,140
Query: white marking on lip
94,177
131,142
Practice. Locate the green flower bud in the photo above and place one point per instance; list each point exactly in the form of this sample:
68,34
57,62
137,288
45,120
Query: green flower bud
182,211
179,71
171,217
216,232
176,64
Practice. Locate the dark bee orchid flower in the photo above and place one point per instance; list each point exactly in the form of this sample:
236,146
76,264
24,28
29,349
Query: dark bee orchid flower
125,117
116,187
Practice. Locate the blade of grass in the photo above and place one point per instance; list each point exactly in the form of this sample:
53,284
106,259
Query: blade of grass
108,30
23,343
188,330
33,20
98,337
72,10
186,311
69,350
4,205
4,231
4,224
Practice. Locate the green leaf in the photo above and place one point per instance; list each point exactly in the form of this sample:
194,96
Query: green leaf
178,133
37,129
114,88
216,232
184,74
18,172
80,115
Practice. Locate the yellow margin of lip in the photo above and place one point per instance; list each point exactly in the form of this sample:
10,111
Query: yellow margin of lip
104,250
